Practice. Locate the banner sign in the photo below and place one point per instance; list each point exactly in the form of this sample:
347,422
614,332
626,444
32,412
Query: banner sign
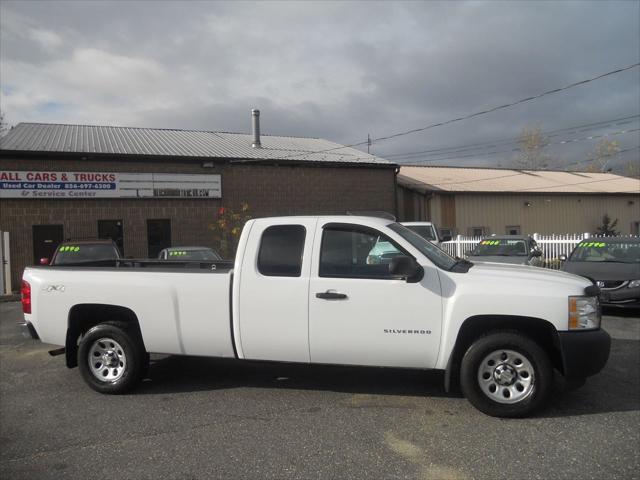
35,184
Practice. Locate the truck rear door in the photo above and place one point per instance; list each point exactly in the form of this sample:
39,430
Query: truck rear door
273,303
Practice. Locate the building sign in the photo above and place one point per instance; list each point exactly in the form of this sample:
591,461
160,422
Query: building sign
34,184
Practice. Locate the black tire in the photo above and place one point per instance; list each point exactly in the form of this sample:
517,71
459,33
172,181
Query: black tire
121,347
504,367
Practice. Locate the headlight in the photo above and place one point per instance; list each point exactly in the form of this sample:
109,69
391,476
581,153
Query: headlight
584,313
634,284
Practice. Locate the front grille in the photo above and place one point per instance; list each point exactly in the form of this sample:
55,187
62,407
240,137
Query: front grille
611,284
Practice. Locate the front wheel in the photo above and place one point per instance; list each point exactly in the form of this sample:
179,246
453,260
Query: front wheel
506,375
111,358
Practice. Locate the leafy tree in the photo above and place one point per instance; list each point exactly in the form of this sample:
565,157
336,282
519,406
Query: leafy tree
227,228
532,144
608,227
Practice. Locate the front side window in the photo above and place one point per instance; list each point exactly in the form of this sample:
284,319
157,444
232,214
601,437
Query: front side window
281,249
353,252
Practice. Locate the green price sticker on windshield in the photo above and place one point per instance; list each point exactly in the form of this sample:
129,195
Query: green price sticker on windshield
69,248
177,254
592,244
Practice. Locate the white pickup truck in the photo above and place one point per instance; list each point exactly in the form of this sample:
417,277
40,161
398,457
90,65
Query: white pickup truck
313,290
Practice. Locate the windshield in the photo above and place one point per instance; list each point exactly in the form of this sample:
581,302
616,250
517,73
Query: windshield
428,249
82,253
602,251
206,254
425,231
500,247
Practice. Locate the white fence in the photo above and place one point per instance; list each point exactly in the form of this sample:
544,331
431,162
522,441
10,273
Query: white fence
552,246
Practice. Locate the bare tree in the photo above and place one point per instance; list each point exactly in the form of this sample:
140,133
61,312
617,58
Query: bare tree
532,144
632,168
4,126
599,160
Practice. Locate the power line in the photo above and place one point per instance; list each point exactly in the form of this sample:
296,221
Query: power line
549,134
518,149
579,162
472,115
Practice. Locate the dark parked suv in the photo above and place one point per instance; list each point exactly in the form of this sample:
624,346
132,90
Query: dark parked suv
82,252
514,249
614,264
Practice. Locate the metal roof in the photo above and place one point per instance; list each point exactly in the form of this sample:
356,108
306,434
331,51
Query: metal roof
43,137
461,179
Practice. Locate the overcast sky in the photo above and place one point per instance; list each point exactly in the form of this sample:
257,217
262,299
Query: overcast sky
334,70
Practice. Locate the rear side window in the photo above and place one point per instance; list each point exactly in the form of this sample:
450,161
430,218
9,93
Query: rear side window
281,249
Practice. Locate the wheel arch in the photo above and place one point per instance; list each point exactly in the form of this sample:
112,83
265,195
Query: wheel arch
83,317
539,330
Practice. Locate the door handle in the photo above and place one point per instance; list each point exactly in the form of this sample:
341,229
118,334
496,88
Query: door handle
331,295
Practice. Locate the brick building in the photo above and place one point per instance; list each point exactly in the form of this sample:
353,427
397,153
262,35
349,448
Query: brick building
159,188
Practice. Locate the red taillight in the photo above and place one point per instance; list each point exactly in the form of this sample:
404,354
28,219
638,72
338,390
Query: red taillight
25,291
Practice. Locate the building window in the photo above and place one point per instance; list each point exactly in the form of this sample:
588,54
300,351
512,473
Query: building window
478,231
158,236
512,229
281,249
112,229
635,228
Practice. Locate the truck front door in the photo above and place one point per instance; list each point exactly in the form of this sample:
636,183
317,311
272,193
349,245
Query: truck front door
359,314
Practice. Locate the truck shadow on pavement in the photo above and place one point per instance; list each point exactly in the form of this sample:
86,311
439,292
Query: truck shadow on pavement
615,389
175,374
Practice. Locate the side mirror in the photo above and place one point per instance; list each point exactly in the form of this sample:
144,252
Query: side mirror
407,267
563,258
44,261
536,253
446,238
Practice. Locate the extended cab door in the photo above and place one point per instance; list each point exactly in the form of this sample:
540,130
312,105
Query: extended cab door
273,300
359,314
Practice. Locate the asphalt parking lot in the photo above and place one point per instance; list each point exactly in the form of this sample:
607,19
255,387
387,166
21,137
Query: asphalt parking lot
199,418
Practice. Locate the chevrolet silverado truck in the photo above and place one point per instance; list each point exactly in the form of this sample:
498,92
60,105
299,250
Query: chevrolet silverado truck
304,290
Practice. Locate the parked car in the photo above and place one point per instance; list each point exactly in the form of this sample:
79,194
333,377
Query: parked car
189,253
514,249
301,290
613,263
79,252
426,230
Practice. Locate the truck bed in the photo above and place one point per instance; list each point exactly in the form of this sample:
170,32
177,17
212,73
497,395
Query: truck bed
181,309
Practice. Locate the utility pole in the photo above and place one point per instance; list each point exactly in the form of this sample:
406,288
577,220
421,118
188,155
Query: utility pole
369,142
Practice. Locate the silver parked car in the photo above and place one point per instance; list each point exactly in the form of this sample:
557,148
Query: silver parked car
205,254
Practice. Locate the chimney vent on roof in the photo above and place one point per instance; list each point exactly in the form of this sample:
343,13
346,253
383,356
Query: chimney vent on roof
255,122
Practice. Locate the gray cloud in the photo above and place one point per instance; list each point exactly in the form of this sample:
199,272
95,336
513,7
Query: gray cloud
325,69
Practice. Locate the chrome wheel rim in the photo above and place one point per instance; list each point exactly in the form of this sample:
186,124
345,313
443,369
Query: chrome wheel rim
506,376
107,360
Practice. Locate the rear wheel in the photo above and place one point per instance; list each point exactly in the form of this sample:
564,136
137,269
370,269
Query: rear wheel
111,358
506,375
